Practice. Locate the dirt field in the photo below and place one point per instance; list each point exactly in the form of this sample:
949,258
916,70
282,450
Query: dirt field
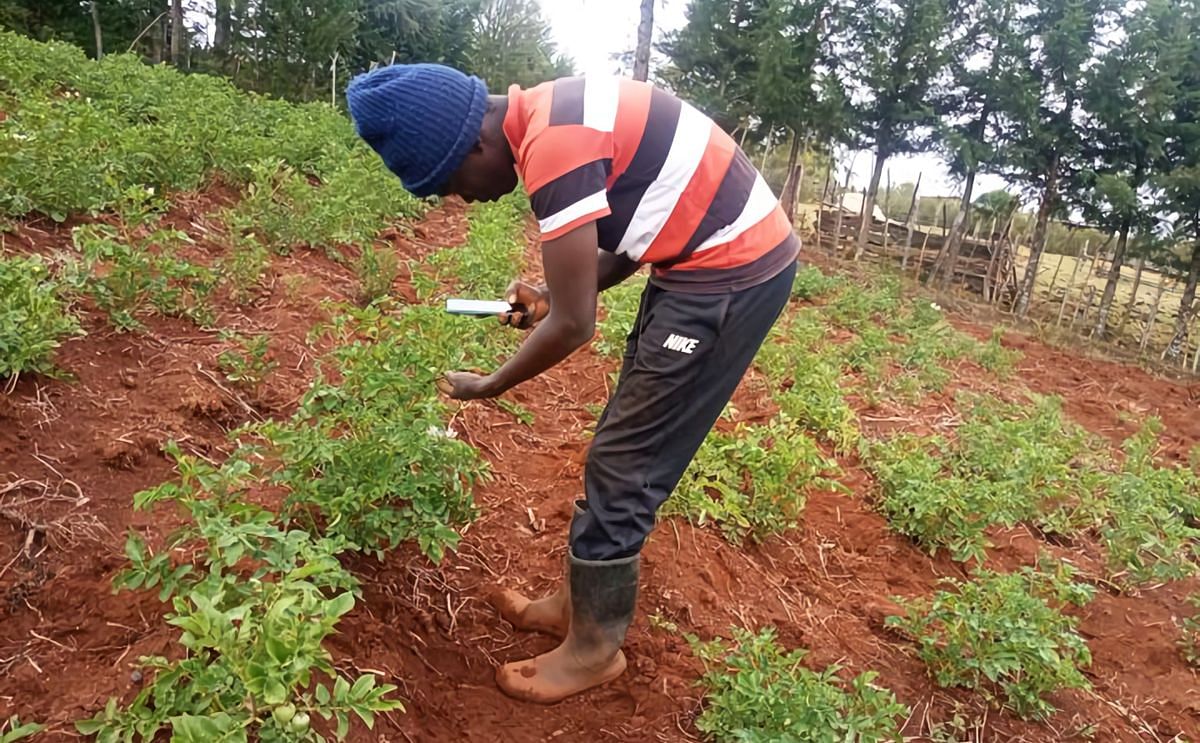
73,453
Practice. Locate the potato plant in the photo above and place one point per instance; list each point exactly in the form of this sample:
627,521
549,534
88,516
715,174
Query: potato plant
752,481
366,462
253,609
756,691
1003,634
88,131
34,317
1006,465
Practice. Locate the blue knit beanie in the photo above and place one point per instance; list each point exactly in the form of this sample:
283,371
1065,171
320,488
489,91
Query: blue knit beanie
422,119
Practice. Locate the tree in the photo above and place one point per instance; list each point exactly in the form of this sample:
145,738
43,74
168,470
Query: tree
513,44
891,56
1130,98
641,58
712,63
177,33
1042,137
980,64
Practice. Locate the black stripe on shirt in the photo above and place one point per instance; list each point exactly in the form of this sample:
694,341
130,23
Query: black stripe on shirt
626,193
727,203
566,101
569,188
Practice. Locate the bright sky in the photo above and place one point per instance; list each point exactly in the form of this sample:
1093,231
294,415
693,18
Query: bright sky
590,31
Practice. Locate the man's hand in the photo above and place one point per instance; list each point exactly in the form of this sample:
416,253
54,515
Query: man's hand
535,299
466,386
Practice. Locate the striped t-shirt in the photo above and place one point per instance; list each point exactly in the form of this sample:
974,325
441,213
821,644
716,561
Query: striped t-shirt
664,184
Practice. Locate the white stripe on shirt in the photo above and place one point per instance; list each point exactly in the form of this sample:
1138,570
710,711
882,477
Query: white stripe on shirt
588,204
687,149
759,205
600,97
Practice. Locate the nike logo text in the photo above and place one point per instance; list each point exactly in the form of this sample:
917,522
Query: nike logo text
679,343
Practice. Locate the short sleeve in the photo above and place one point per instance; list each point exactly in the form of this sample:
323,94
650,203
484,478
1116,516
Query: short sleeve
572,199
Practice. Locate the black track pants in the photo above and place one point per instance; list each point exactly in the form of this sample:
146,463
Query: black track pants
683,360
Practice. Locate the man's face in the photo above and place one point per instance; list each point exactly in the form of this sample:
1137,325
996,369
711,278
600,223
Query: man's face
485,175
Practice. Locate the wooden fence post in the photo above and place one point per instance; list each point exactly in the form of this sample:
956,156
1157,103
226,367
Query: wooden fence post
1153,318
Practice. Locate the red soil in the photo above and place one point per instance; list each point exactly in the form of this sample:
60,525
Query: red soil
67,642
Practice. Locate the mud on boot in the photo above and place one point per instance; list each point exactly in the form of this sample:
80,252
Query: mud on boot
603,597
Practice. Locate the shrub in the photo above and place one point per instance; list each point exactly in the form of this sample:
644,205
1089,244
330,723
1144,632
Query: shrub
33,317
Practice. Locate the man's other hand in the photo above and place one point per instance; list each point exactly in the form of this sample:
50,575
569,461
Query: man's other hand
534,301
466,386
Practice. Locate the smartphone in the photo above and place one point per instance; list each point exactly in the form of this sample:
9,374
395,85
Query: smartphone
479,307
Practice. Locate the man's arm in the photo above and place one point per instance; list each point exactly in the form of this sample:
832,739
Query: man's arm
570,264
613,269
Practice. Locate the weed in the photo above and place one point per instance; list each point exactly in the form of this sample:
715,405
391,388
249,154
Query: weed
243,266
13,730
516,410
658,621
1189,639
248,363
811,283
999,633
752,482
621,304
376,271
33,317
997,359
758,692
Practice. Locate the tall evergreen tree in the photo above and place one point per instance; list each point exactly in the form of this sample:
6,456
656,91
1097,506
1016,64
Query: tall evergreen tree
1129,99
513,44
983,56
1042,137
896,49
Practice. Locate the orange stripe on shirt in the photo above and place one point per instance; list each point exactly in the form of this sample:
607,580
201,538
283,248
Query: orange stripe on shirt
561,149
632,112
694,201
753,243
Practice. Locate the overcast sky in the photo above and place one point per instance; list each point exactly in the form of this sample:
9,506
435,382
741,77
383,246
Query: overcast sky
590,31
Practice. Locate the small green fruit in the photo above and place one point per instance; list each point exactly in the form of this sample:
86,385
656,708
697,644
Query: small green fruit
299,723
284,713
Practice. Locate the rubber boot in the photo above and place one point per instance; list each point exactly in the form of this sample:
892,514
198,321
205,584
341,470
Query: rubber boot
549,615
603,597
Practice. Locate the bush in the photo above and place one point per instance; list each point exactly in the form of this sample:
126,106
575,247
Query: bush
999,633
33,317
758,693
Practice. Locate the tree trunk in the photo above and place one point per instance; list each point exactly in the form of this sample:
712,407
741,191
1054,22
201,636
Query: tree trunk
1114,277
1038,244
645,31
790,186
947,257
1184,319
868,217
96,29
1152,319
176,31
224,26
